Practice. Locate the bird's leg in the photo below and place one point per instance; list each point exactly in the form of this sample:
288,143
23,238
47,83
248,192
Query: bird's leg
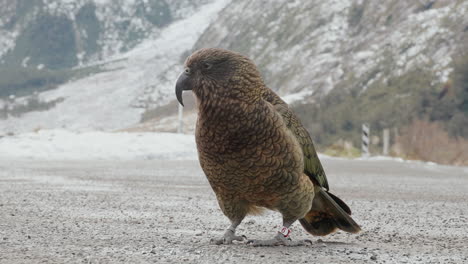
281,238
229,235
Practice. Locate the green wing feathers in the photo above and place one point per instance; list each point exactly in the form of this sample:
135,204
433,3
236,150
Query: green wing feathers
312,166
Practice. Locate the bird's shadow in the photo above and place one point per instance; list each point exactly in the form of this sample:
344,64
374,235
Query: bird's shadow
337,243
319,243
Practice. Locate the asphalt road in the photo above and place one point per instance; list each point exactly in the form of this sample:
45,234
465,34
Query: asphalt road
165,211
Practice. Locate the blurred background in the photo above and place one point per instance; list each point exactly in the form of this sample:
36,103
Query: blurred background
72,73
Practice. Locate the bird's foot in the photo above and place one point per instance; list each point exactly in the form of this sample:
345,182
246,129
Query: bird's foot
279,240
227,238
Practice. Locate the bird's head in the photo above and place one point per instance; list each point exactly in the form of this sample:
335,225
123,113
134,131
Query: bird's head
218,73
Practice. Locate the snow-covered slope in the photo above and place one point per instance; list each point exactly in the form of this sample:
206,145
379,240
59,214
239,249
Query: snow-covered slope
96,145
115,99
66,145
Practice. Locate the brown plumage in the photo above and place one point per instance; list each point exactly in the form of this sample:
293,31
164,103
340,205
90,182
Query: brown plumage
255,151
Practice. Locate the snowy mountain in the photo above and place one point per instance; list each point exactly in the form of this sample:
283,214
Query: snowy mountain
118,94
57,34
132,52
310,47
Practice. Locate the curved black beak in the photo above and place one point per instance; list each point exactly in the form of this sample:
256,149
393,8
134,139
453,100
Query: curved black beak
182,84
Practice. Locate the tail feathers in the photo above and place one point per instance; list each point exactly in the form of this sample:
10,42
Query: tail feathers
340,203
328,214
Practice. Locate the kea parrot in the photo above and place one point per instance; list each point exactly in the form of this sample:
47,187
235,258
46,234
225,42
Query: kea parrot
255,152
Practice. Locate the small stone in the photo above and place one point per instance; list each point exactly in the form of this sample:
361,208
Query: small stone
373,257
250,222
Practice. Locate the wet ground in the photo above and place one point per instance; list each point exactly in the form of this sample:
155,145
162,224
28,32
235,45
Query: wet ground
165,211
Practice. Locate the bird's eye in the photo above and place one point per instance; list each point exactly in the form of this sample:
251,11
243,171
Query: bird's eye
187,70
207,65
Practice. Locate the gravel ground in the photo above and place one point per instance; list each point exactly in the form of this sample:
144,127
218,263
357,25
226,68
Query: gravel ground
164,211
